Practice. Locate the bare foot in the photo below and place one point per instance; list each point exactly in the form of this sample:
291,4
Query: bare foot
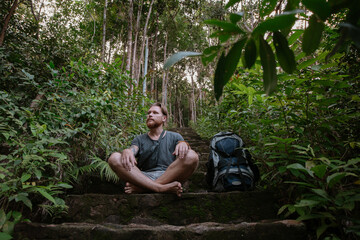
173,187
131,188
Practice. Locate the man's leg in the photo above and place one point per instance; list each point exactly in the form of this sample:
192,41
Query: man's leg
137,178
181,169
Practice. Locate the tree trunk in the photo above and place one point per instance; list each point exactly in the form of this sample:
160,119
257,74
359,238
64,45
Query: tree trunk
103,47
177,114
94,31
117,48
174,104
109,52
192,100
36,17
164,80
123,52
170,112
200,99
129,41
137,28
145,67
180,112
154,45
165,88
7,20
144,40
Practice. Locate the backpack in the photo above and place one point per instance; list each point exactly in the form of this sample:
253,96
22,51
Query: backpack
230,166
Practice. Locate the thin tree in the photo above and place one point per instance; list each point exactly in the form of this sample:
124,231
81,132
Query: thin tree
103,47
36,16
165,74
129,38
137,29
7,20
154,45
144,41
192,100
145,66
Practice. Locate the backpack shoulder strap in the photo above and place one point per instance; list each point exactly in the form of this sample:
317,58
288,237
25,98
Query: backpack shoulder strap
158,148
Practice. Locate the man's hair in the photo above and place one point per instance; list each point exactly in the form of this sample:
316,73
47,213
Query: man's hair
163,108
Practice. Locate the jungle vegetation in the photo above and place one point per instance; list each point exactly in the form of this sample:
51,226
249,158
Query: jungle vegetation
76,78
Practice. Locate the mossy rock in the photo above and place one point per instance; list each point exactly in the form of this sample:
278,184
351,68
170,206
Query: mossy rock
165,208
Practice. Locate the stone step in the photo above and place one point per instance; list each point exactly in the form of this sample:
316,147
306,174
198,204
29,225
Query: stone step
203,156
197,182
108,213
190,134
195,143
187,133
202,166
229,207
274,230
203,149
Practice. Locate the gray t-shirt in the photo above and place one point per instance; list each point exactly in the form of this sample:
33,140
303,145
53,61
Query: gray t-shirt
147,159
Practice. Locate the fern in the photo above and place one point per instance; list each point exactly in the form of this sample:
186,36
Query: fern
76,171
97,165
104,169
55,210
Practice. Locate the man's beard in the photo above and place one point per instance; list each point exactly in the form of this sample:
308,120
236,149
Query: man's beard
150,123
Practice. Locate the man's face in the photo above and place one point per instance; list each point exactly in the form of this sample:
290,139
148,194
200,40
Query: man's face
155,117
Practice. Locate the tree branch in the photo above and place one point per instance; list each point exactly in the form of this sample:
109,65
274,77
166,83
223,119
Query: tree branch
7,20
33,12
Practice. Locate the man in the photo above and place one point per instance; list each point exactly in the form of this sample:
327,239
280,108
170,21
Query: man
163,163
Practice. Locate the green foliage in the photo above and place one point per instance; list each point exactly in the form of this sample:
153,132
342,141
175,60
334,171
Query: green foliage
33,163
226,67
330,193
8,222
105,170
229,31
250,53
177,57
279,22
269,66
284,54
313,107
267,7
312,35
82,112
60,121
319,7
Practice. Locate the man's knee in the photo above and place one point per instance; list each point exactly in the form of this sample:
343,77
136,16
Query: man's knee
114,160
191,158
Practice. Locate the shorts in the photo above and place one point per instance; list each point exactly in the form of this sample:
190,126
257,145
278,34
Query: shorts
153,175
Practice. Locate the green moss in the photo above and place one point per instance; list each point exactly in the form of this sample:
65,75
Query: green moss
195,211
162,213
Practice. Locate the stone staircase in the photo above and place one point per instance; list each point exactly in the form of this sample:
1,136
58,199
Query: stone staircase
103,211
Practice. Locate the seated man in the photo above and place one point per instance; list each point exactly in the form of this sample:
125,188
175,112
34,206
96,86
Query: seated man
165,160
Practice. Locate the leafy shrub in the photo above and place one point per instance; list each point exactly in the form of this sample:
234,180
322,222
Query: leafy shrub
83,112
32,162
329,195
316,107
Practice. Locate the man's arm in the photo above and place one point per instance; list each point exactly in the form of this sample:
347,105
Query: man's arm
128,159
134,149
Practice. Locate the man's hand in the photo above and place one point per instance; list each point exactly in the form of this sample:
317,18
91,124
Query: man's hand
128,157
181,149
